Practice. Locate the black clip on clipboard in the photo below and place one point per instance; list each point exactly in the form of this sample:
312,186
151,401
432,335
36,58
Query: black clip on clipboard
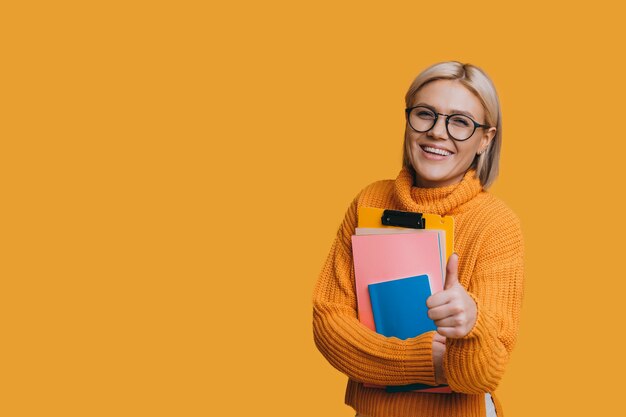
403,219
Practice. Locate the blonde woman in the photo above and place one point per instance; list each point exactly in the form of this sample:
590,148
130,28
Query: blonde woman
451,153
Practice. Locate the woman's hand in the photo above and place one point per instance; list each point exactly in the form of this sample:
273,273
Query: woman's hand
439,349
452,310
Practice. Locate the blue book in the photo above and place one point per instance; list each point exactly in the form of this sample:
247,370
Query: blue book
399,307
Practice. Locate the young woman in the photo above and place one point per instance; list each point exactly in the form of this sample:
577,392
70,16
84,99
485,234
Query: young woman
451,154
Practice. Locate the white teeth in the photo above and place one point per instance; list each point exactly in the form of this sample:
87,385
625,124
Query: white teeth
437,151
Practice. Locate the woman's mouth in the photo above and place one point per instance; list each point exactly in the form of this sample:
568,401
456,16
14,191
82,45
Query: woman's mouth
429,150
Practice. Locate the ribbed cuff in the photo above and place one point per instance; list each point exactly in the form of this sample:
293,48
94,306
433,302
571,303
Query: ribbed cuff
418,360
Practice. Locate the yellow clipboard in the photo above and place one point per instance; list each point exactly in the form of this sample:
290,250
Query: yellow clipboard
373,217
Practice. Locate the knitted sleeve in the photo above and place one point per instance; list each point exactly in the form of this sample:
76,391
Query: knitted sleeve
349,346
476,362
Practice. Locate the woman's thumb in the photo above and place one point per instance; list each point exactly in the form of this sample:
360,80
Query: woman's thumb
452,271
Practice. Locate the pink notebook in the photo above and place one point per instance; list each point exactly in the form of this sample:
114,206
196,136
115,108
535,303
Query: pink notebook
379,258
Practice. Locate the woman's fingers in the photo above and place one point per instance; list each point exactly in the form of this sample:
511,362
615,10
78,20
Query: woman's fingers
439,338
452,321
446,310
455,318
451,332
439,298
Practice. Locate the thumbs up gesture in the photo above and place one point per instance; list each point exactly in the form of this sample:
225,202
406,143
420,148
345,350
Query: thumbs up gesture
452,310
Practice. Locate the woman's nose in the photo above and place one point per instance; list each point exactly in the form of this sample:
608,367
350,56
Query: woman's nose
438,131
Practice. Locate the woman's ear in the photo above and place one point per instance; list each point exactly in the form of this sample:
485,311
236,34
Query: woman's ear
486,139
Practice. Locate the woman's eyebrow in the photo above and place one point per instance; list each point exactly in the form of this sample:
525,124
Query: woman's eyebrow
453,111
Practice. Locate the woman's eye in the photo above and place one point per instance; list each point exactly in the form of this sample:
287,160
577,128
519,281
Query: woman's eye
425,114
459,121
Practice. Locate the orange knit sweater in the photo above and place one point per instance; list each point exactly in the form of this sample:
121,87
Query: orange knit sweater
489,242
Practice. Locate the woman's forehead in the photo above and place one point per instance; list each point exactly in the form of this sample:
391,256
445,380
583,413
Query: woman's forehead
449,96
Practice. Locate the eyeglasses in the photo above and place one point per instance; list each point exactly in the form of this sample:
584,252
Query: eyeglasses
459,126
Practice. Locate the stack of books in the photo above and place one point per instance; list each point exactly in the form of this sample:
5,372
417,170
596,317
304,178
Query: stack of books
397,266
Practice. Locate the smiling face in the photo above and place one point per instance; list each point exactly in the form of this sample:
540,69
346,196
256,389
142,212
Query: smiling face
437,159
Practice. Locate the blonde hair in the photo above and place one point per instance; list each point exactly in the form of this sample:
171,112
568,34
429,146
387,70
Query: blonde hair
476,81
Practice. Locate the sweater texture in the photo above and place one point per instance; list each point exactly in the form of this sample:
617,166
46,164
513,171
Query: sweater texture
489,243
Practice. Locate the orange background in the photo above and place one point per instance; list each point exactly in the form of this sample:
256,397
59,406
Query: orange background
173,174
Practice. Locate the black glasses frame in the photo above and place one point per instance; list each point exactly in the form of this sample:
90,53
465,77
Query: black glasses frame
448,116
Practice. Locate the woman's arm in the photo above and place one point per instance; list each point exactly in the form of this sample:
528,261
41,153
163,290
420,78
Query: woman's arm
475,363
349,346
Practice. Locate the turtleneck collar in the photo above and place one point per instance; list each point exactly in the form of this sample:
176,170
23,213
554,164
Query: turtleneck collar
440,200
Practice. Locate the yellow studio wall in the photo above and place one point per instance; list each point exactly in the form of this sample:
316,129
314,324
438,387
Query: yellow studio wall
173,174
